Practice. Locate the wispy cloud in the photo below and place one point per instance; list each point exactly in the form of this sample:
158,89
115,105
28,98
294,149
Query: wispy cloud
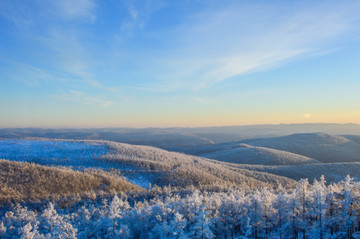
31,13
71,57
203,100
60,46
29,75
82,98
139,13
228,41
71,9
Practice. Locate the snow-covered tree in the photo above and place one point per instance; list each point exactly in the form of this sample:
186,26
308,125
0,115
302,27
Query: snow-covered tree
318,208
56,225
30,232
2,229
161,230
177,226
301,196
281,204
314,210
202,226
348,203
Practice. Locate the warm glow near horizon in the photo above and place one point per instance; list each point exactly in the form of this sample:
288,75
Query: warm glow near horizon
339,117
90,63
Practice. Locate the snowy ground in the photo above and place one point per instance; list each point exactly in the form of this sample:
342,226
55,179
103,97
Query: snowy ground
76,154
57,153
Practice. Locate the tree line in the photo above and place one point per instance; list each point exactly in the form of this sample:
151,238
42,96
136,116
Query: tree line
311,210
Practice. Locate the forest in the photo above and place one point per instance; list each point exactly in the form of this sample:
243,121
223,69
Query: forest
310,210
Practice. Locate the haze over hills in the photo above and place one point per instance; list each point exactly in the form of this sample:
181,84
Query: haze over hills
247,154
333,172
294,149
179,139
354,138
323,147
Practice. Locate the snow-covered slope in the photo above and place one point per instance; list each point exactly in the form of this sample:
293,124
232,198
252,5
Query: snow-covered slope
247,154
323,147
333,172
182,170
24,181
140,164
53,152
354,138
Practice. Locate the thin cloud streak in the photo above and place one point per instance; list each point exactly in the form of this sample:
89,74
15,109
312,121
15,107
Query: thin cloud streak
223,43
82,98
22,13
64,57
71,9
139,13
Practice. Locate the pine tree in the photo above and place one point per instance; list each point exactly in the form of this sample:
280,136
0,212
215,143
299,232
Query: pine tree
124,232
177,226
319,206
115,210
201,227
30,232
301,194
348,205
161,230
2,229
281,203
55,224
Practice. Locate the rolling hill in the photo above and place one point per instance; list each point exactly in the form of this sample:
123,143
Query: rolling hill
142,165
320,146
180,139
285,150
21,181
162,167
247,154
252,164
333,172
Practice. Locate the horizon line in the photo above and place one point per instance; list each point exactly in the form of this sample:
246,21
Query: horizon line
177,127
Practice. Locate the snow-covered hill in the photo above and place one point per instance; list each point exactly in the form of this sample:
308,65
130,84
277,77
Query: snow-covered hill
247,154
289,150
21,181
334,172
248,164
182,170
139,164
53,152
320,146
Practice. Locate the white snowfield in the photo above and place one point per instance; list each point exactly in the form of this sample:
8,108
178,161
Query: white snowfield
48,152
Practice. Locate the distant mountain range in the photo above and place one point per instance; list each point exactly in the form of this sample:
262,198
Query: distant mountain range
178,138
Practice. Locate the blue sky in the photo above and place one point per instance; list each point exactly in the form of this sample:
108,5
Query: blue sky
87,63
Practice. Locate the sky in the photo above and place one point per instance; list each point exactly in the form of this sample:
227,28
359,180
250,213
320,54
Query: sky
154,63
